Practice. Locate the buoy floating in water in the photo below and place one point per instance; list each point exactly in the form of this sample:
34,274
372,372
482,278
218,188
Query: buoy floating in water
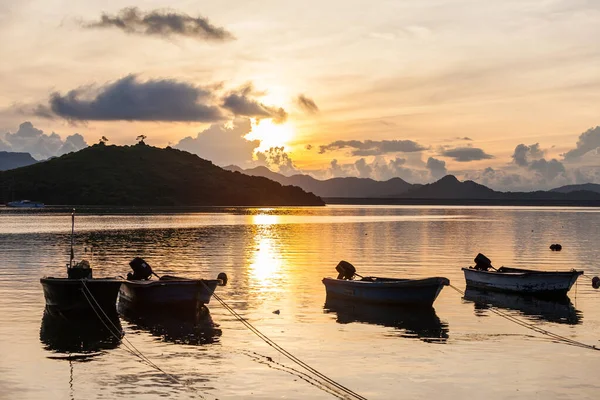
596,282
555,247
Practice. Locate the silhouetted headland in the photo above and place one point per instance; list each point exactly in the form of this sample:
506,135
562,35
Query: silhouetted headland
143,175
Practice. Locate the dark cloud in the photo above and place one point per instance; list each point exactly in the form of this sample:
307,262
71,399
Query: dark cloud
223,144
373,147
41,146
523,154
548,170
308,147
466,154
464,138
532,157
307,104
162,23
588,141
437,168
241,103
278,160
131,100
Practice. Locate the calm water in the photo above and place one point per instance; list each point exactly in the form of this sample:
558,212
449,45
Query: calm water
275,259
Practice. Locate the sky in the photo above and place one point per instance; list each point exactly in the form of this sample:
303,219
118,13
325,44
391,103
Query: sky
506,93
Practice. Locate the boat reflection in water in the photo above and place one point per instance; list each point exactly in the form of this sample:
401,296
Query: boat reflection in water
412,322
559,310
193,326
83,337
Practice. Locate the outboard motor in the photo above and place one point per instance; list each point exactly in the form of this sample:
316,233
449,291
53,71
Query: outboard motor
482,263
141,270
345,270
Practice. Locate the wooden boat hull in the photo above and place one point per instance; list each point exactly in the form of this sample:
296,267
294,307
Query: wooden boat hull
67,295
172,292
542,283
402,291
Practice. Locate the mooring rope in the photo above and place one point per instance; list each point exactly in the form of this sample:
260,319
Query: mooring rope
534,328
269,362
128,346
338,386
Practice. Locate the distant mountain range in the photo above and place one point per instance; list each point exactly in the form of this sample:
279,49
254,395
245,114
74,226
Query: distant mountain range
335,187
590,187
11,160
143,175
448,190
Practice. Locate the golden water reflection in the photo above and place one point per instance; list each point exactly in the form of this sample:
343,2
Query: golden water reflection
266,261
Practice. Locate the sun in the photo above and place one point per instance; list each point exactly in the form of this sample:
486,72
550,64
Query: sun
270,134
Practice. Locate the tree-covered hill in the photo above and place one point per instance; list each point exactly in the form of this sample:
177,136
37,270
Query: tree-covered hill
142,175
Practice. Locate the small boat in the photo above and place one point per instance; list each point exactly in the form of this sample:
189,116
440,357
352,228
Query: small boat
166,291
543,283
372,289
79,291
25,204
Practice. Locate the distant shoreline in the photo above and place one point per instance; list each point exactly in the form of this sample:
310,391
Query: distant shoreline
462,202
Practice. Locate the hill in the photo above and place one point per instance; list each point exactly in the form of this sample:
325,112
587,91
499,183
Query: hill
590,187
10,160
142,175
451,188
336,187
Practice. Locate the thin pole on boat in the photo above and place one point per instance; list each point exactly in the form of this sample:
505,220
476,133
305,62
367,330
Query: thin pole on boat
72,237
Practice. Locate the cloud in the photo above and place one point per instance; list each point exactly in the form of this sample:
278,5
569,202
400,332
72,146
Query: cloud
437,168
548,170
466,154
307,104
162,23
364,170
41,146
223,144
277,159
373,147
499,179
241,103
588,141
131,100
523,153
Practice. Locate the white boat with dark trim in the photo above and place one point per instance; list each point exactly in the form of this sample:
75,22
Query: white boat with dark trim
544,283
371,289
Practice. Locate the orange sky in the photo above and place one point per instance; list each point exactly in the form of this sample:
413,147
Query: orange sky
432,73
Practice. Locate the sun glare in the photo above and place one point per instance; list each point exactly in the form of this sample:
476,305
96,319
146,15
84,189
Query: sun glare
270,134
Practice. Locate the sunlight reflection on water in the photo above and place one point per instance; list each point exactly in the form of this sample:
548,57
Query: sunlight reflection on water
275,259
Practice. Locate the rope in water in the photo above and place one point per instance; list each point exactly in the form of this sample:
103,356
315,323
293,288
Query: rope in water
128,346
268,361
534,328
338,386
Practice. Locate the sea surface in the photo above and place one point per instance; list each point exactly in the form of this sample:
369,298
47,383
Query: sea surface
275,259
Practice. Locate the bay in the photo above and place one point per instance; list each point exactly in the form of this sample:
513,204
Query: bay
275,259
